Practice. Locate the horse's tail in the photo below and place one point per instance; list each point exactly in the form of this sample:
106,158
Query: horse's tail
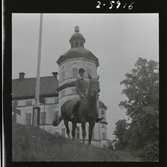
57,120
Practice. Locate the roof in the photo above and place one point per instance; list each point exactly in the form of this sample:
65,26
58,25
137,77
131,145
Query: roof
76,34
102,104
77,49
77,53
26,87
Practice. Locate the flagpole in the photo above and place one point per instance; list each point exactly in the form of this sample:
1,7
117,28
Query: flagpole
36,108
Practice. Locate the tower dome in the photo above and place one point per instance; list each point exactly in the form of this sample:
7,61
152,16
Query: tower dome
77,49
77,39
76,28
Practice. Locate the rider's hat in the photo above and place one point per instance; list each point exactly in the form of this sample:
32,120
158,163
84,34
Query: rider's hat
81,70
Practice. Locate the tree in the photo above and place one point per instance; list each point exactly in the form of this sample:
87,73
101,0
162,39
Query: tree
111,144
120,132
142,104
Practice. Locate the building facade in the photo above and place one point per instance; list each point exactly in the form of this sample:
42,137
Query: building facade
54,92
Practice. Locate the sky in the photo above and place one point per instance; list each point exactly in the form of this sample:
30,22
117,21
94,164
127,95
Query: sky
117,40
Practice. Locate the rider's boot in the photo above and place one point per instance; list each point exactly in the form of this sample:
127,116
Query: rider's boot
73,116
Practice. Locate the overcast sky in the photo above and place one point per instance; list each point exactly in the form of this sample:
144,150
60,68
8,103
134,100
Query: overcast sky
117,40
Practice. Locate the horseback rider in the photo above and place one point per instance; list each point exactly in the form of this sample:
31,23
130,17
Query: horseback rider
81,89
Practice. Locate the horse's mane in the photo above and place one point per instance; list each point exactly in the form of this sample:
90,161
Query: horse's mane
93,99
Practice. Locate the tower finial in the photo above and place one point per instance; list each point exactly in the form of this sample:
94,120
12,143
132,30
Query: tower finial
76,28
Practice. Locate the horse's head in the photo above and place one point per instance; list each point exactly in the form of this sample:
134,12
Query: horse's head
94,87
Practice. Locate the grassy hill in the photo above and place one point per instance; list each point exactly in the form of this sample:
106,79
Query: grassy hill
33,144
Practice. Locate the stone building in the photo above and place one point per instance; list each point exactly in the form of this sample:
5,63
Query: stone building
55,91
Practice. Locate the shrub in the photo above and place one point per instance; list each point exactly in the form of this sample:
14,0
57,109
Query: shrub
150,152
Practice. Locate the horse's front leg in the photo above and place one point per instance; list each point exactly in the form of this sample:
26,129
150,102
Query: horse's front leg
67,128
83,123
91,126
74,125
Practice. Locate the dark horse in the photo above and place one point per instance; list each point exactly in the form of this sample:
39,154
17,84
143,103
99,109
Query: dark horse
87,111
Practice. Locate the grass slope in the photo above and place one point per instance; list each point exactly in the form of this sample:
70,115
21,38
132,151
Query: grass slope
33,144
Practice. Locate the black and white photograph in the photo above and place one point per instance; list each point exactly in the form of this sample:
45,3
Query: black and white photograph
85,87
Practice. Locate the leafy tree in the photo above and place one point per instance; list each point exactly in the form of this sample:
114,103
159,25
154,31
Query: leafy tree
120,132
111,144
142,104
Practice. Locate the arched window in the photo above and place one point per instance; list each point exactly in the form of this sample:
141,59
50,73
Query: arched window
76,44
75,70
81,44
72,45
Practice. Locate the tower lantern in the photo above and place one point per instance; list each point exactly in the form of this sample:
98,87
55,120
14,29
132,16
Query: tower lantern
76,28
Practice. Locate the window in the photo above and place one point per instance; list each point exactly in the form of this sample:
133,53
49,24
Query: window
28,118
72,45
21,103
76,44
102,112
42,118
75,72
63,132
78,132
103,135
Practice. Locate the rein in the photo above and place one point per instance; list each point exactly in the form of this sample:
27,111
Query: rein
92,99
89,90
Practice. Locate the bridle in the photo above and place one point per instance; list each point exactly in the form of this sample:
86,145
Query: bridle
93,85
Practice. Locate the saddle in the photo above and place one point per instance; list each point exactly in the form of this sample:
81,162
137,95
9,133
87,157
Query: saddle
75,108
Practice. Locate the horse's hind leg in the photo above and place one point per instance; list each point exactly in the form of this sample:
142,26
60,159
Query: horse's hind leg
83,123
91,126
67,128
74,125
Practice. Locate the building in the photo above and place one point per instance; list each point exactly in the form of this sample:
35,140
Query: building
54,92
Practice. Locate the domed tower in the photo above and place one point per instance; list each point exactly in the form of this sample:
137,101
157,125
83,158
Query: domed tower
69,63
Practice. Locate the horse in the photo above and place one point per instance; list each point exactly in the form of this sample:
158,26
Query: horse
87,111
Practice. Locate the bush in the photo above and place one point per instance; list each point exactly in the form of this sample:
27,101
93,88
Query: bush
150,152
